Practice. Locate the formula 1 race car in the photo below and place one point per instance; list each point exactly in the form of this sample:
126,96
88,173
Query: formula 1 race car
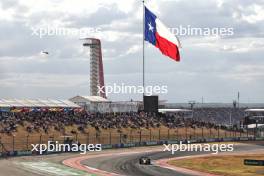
144,160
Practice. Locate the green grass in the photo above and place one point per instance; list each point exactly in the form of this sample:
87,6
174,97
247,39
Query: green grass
223,165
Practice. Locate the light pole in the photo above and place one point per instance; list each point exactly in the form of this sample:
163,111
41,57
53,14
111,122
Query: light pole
192,103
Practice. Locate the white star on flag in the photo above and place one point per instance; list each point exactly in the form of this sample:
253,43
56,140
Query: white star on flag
150,27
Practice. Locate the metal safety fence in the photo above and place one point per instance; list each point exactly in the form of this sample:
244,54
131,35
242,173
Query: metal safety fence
16,143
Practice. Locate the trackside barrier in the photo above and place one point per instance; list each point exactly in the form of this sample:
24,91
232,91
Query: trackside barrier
172,142
152,143
193,141
210,140
128,145
259,139
161,142
227,139
51,152
117,145
107,146
243,139
24,153
136,144
17,146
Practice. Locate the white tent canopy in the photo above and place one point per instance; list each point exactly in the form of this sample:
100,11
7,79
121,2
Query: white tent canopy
174,110
254,126
5,103
254,110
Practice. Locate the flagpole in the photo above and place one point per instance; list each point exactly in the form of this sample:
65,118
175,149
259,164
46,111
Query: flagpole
143,54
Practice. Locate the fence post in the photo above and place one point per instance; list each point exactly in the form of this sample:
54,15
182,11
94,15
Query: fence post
110,137
159,134
177,134
27,141
210,132
13,143
140,136
218,132
40,139
186,134
149,134
130,137
168,134
88,138
247,132
202,133
1,145
76,136
96,138
120,138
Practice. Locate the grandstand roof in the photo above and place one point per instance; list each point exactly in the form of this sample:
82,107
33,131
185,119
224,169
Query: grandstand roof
37,103
96,98
254,110
174,110
4,104
214,105
255,126
91,98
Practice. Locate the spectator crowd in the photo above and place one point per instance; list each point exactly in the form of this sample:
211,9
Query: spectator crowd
44,121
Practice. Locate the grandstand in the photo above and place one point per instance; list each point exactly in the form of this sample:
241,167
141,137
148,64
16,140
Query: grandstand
30,121
219,113
254,120
19,129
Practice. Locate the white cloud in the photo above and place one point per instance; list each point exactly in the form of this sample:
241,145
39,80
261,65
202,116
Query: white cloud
250,13
236,45
256,16
7,15
134,49
209,64
15,80
246,73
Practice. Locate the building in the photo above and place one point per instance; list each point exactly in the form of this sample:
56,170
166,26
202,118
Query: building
92,103
97,101
96,67
125,106
102,105
254,120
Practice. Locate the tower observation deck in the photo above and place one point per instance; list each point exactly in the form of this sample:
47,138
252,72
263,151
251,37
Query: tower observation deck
96,67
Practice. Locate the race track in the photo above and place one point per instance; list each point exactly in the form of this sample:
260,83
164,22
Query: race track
108,162
129,165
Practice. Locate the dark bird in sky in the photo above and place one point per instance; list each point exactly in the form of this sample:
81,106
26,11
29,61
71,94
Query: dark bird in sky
45,52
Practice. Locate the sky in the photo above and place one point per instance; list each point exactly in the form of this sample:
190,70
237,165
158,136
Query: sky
213,67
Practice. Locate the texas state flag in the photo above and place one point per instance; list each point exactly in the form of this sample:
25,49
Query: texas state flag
159,35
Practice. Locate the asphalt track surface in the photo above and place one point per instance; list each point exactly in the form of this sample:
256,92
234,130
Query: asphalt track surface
129,164
126,163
